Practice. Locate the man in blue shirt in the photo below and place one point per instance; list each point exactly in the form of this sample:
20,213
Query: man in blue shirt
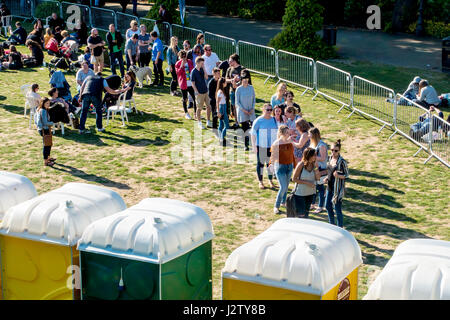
157,58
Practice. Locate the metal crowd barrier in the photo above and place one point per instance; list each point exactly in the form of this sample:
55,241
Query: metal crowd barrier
296,69
124,20
165,32
102,18
20,8
185,33
439,137
222,46
373,100
408,115
257,58
84,11
56,7
334,83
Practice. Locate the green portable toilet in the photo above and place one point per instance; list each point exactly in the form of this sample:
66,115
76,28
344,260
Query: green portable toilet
159,249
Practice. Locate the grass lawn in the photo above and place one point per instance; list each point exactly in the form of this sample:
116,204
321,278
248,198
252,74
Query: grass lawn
391,196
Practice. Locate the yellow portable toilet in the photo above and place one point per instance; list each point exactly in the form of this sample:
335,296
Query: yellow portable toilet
14,189
38,240
295,259
418,270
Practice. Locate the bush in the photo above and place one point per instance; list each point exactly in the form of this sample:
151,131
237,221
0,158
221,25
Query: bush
171,6
249,9
45,9
438,30
301,21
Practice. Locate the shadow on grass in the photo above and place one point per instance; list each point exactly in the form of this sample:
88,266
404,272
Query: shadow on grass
357,207
355,172
149,117
2,98
373,259
374,184
12,108
89,177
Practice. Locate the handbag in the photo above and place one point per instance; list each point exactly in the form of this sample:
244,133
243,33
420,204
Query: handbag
291,208
47,138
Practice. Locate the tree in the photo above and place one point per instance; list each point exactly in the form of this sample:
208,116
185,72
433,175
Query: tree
171,6
301,21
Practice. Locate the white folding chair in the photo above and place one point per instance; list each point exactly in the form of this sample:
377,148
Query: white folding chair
32,106
118,108
60,125
25,89
129,103
6,23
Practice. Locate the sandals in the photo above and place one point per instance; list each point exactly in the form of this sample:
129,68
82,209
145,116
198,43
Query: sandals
261,186
49,163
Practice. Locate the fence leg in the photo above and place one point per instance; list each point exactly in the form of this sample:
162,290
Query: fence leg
276,83
415,154
431,156
384,125
315,95
351,113
343,108
393,134
267,79
304,92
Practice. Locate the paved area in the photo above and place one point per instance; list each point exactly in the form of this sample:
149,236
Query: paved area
374,46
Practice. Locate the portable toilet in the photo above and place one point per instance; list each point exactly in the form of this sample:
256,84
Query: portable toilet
418,270
295,259
159,249
14,189
38,240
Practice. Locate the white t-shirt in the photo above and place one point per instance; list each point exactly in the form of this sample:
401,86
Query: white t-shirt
34,98
130,33
221,97
210,62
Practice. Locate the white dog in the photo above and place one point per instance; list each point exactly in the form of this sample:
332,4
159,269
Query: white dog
141,74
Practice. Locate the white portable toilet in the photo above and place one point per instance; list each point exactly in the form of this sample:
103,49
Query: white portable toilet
38,240
14,189
159,249
295,259
418,270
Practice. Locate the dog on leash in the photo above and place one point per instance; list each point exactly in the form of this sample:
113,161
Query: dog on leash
141,74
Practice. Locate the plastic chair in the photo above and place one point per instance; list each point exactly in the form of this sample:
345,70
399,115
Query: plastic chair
118,108
25,89
131,101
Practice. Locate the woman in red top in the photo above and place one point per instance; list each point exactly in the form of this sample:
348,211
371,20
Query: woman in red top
283,161
183,68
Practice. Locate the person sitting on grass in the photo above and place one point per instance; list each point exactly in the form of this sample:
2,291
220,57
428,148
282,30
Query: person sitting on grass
18,36
47,36
14,60
36,59
427,96
423,126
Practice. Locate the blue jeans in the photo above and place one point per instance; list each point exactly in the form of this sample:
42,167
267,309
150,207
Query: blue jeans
337,208
112,57
97,103
423,126
320,189
283,173
223,123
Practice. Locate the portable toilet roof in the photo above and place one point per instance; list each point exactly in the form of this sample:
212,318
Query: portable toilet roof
60,216
296,254
418,270
156,230
14,189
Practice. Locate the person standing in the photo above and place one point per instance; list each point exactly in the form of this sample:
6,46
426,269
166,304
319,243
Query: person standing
221,103
132,30
199,78
305,176
212,93
245,100
95,43
184,68
144,43
280,96
264,133
172,57
290,103
115,41
337,174
91,93
131,50
158,59
43,123
282,160
211,61
303,140
322,158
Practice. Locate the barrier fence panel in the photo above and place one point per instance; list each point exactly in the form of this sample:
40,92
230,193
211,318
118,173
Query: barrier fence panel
124,20
222,46
20,8
334,84
102,18
185,33
41,12
68,10
440,139
258,58
295,69
373,100
409,117
163,29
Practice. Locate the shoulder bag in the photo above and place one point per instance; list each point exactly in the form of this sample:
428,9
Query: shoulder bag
47,138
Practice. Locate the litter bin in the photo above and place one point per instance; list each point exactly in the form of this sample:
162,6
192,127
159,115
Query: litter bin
14,189
295,259
38,240
418,270
329,35
446,54
159,249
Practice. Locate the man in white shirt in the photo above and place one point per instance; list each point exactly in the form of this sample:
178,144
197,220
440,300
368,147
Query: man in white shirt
211,61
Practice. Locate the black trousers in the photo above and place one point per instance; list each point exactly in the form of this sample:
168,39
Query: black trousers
144,59
185,92
246,126
174,82
159,73
215,119
45,150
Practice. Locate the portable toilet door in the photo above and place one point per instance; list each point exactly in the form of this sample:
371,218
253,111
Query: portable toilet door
159,249
38,240
295,259
14,189
418,270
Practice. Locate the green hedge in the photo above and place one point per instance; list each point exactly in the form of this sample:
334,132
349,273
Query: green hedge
45,9
249,9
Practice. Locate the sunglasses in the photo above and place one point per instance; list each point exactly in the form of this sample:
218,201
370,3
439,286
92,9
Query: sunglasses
269,109
207,49
335,150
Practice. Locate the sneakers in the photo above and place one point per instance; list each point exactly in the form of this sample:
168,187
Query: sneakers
319,210
390,100
208,124
188,116
200,125
84,131
101,130
276,210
